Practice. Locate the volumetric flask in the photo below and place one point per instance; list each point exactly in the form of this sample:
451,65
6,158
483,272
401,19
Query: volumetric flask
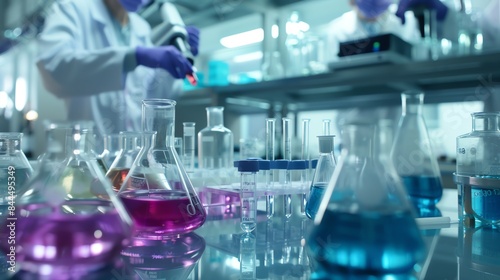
157,192
322,174
15,170
71,222
365,218
128,150
412,154
478,168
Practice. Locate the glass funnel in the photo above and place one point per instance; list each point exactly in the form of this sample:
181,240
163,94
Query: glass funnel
71,222
373,221
15,169
157,191
412,153
173,258
128,150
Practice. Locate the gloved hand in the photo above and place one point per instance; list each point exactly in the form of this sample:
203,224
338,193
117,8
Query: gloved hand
133,5
193,39
405,5
166,57
371,9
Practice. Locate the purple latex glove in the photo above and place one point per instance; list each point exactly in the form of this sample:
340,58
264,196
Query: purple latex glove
166,57
193,39
405,5
371,9
133,5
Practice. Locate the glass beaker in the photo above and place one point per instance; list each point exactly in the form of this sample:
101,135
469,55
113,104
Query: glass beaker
163,259
322,174
477,157
412,154
215,142
128,150
15,170
71,222
157,191
372,217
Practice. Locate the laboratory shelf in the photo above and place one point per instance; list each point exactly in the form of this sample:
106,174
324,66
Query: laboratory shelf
449,79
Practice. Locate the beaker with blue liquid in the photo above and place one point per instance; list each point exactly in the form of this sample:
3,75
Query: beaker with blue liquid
365,225
412,154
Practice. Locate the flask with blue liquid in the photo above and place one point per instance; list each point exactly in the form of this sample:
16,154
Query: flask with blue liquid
412,154
365,225
322,174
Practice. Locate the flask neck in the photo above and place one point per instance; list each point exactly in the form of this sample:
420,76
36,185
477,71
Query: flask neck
158,115
215,116
360,140
412,103
486,122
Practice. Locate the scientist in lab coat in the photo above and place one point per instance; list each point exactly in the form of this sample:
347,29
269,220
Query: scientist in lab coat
98,57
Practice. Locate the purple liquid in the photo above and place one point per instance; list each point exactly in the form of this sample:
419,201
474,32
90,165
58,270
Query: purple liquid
84,241
163,212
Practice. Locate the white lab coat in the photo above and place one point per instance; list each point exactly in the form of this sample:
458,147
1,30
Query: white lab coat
81,61
349,27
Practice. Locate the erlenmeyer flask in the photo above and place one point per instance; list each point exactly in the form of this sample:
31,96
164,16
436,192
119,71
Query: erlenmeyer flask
412,154
157,191
128,150
71,222
15,169
322,174
374,230
163,259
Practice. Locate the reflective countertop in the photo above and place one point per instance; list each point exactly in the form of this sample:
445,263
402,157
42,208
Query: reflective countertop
276,250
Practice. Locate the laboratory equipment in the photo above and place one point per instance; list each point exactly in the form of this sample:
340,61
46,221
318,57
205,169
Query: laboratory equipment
293,42
478,169
189,137
326,126
71,222
306,156
173,258
129,148
15,170
287,155
364,218
248,193
215,142
297,169
272,68
111,148
412,153
157,192
322,174
270,150
248,259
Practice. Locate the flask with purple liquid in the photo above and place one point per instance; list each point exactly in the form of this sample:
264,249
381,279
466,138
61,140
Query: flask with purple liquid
68,221
157,191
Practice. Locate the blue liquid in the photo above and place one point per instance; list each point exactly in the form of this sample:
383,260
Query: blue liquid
486,204
315,195
423,191
366,243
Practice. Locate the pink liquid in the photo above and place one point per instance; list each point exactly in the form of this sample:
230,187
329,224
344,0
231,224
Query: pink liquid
64,241
117,176
163,212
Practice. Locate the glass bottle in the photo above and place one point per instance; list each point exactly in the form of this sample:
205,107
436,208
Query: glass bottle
157,192
412,154
71,223
477,156
15,169
372,217
322,174
215,142
173,258
128,150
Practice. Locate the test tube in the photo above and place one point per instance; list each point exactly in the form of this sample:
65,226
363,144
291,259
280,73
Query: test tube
270,137
326,127
189,138
248,259
306,157
248,188
287,155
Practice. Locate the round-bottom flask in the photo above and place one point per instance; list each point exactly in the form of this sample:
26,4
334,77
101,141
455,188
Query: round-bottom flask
365,225
157,192
70,223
